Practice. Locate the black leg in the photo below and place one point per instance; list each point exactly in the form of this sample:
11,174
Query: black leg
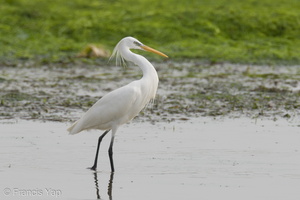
98,147
110,153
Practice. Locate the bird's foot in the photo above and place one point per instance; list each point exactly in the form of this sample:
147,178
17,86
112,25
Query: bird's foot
92,168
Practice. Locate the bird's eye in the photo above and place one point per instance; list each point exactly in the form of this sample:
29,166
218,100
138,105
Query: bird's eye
137,43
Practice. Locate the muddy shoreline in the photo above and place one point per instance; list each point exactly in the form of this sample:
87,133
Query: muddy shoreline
63,92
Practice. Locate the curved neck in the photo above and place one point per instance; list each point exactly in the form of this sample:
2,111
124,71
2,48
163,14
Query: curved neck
149,81
142,62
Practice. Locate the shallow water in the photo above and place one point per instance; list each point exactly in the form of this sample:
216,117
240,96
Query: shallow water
201,158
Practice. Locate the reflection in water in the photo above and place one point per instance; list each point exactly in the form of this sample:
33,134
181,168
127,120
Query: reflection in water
110,185
97,186
109,188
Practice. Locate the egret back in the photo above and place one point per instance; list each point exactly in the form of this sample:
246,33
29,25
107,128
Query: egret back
114,109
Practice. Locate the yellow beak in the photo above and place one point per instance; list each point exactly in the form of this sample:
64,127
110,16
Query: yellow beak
146,48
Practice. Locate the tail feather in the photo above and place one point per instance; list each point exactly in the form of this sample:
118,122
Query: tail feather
72,129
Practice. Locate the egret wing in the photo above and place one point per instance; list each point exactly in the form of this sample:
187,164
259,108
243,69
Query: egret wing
115,108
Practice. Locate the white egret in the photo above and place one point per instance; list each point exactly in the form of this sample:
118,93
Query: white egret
123,104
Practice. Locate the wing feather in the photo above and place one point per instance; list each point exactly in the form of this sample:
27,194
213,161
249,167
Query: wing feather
116,107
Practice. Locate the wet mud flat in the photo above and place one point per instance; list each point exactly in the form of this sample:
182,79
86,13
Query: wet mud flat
221,131
202,158
62,92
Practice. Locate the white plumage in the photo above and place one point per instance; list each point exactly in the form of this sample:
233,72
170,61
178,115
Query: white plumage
123,104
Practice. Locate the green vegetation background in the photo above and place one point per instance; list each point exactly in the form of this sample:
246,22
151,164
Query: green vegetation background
240,31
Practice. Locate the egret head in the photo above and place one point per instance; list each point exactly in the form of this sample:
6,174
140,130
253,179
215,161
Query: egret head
131,43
